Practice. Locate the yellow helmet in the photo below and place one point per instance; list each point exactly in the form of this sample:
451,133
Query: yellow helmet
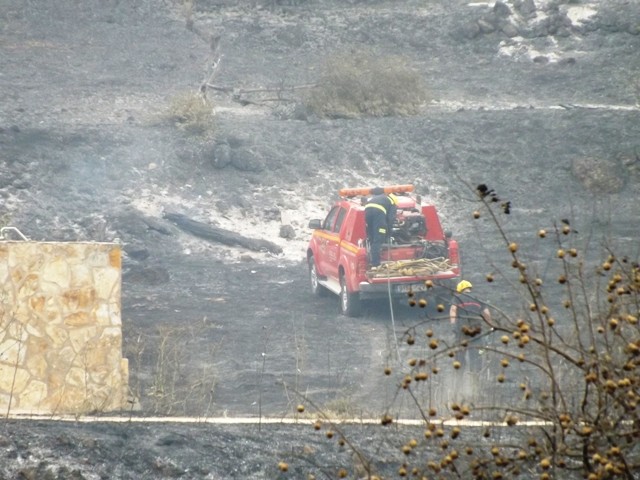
463,285
393,198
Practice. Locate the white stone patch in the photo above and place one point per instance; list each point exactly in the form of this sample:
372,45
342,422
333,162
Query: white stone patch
579,13
153,204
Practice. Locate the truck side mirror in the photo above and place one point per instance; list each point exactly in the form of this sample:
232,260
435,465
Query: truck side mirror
448,234
315,223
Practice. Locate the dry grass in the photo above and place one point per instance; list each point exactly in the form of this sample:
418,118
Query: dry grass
192,112
362,84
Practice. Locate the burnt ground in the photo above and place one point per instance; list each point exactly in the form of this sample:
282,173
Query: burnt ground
209,330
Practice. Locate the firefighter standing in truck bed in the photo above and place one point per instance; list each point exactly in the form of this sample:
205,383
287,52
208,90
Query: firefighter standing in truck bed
380,214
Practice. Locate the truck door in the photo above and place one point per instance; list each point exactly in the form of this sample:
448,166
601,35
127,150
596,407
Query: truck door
333,245
326,241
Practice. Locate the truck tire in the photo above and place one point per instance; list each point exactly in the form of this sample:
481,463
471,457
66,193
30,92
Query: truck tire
317,289
349,301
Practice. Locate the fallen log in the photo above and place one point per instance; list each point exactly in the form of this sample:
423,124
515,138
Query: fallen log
220,235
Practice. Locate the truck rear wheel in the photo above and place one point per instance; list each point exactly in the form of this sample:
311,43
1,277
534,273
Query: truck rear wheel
349,301
317,289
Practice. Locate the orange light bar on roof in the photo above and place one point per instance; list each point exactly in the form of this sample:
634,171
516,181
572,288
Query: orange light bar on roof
354,192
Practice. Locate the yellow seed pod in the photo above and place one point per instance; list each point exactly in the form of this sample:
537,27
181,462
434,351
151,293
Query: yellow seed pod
542,233
476,214
456,365
513,247
300,408
283,466
560,253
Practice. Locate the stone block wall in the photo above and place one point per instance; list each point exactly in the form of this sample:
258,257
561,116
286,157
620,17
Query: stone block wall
60,328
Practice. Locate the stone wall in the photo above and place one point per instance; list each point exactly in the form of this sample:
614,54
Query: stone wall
60,328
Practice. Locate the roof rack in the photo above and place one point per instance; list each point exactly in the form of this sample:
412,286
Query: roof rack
354,192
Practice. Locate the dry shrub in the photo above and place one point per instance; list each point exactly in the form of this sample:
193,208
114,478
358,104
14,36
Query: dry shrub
162,377
361,84
193,112
560,397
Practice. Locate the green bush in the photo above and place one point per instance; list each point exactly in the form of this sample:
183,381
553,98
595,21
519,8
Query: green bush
192,112
362,84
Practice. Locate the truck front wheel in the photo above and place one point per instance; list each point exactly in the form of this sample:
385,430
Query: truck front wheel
349,301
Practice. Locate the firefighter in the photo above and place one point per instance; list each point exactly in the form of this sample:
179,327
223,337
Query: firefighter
380,214
466,315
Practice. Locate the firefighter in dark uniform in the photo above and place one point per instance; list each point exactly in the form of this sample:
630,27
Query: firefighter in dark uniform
380,214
